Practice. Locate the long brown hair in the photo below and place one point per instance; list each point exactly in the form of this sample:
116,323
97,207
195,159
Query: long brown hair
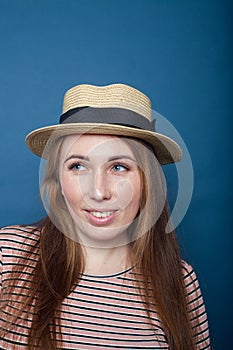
61,260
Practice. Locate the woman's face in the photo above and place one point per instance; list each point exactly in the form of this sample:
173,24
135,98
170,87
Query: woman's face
101,186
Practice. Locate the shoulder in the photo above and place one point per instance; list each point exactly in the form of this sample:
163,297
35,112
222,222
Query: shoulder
196,307
13,237
18,250
191,282
20,232
188,272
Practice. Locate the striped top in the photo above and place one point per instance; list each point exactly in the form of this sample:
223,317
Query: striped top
103,312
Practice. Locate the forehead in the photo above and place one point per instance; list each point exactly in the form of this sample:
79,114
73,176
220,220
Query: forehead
94,145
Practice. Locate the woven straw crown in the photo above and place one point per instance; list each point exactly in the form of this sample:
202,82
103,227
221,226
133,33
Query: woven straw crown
115,95
116,109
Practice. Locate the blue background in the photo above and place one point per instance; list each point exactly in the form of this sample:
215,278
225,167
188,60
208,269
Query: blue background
177,52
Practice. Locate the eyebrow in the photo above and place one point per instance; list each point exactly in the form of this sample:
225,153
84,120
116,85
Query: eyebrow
121,157
78,156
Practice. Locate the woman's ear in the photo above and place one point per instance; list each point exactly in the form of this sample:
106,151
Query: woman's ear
61,188
59,179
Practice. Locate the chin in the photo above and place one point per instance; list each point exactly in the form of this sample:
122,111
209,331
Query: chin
104,237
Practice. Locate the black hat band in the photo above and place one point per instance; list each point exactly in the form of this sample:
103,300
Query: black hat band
117,116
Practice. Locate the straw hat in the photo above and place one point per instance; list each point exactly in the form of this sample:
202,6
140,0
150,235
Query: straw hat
115,109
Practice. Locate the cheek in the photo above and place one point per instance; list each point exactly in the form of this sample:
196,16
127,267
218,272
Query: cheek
70,190
129,192
136,194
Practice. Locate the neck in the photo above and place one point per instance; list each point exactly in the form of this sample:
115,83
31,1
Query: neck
106,261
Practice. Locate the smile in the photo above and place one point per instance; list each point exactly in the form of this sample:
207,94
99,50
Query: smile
101,217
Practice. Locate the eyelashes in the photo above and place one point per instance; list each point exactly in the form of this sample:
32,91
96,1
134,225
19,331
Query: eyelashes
117,167
77,166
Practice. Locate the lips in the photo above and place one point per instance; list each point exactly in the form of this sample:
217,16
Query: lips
100,217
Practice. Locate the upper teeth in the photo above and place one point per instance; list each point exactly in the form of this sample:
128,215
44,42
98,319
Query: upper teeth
100,214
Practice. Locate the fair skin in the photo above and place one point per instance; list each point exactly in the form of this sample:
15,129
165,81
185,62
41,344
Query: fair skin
100,183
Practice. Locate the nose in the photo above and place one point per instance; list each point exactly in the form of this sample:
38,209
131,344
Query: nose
100,188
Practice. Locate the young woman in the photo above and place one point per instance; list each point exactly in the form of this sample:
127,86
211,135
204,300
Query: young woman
100,271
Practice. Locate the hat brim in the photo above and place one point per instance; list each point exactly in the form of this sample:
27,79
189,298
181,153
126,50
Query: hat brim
41,141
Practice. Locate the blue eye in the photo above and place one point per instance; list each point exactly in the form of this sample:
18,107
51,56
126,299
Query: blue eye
119,168
77,167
